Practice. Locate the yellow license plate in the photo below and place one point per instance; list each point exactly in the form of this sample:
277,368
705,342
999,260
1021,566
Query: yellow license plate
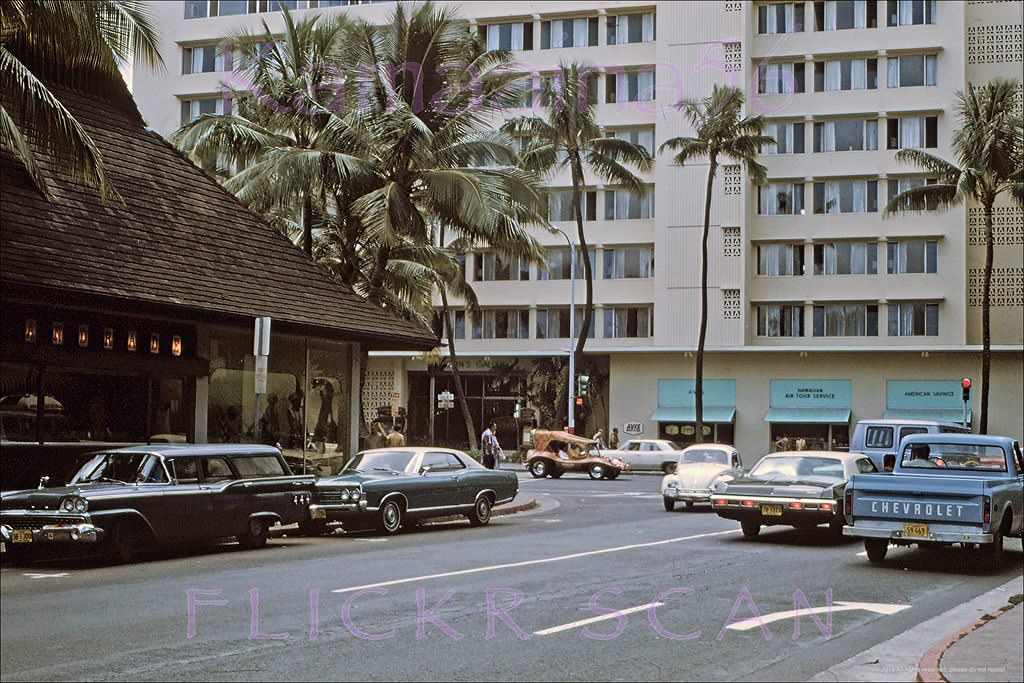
771,510
21,536
319,514
915,530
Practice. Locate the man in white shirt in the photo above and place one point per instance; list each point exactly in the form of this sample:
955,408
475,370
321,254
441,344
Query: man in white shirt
489,446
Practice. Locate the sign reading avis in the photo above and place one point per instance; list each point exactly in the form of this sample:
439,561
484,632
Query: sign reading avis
633,428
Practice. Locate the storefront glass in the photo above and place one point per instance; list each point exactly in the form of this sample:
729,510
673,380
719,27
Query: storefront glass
809,414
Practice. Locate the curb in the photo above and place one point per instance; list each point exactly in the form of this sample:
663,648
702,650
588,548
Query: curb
928,669
495,512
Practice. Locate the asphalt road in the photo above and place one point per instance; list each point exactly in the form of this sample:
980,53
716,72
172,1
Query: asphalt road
448,602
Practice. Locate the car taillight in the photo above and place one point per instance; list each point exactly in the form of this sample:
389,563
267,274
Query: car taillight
849,502
826,506
987,506
720,501
795,505
748,503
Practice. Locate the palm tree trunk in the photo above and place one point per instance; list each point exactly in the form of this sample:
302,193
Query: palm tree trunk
453,363
307,223
588,311
986,317
698,387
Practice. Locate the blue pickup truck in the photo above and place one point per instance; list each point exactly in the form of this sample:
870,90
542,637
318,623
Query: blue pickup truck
944,489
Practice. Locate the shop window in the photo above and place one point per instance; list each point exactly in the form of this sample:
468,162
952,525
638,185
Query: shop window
809,437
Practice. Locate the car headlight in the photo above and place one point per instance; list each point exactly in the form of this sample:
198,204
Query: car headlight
81,505
345,495
67,505
672,484
74,504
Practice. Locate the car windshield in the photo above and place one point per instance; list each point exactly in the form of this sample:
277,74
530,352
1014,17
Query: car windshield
125,468
379,461
705,455
958,457
797,467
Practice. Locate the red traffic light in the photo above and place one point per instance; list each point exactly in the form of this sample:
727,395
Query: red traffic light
966,382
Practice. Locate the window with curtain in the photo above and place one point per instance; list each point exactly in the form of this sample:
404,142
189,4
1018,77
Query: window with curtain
782,17
560,205
458,318
846,74
510,36
912,256
846,320
644,137
620,322
502,323
780,198
628,263
910,12
193,109
631,28
204,59
493,267
840,15
559,267
912,132
780,320
227,8
898,185
624,205
912,70
634,86
196,9
780,78
780,260
789,138
578,32
846,135
553,323
846,258
913,320
846,196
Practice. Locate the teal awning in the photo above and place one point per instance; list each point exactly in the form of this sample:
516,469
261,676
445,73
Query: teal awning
939,414
717,414
831,416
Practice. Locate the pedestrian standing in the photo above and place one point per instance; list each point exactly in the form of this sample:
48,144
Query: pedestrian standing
489,447
613,439
599,438
396,439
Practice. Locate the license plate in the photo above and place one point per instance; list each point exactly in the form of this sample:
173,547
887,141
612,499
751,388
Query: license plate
771,510
915,530
319,514
21,536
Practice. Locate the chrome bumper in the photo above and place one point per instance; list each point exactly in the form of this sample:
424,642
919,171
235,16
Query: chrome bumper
54,533
896,535
691,495
324,510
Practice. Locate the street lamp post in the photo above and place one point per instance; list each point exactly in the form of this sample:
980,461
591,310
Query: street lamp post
572,330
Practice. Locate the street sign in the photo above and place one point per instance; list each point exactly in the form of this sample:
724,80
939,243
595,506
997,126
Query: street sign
445,405
261,337
446,396
633,428
261,374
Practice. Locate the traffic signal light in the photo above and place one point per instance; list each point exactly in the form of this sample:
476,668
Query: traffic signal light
966,384
583,385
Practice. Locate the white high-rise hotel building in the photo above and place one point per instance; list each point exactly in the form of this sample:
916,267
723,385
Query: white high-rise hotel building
821,311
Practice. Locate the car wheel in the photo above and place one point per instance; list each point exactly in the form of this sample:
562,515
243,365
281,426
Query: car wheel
689,503
876,549
613,474
126,542
596,471
668,467
390,517
539,469
670,503
556,473
481,512
256,533
750,528
992,553
313,527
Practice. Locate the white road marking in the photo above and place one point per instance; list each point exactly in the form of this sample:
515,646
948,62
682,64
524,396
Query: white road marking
547,521
594,620
876,607
527,563
45,576
863,553
371,540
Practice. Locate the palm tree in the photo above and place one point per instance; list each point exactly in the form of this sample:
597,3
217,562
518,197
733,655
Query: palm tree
570,136
69,42
989,163
721,130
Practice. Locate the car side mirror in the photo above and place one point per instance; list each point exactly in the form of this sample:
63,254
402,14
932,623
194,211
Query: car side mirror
888,462
43,481
424,469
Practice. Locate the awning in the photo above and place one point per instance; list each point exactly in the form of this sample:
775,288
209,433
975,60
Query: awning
938,414
809,415
717,414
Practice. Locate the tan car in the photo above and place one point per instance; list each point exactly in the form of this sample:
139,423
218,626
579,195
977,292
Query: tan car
555,453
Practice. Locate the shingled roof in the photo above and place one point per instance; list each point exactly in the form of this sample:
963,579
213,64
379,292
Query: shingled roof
179,243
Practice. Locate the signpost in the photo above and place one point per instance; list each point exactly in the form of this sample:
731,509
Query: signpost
261,352
445,400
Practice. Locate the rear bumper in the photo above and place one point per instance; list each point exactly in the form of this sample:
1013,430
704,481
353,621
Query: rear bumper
809,513
962,535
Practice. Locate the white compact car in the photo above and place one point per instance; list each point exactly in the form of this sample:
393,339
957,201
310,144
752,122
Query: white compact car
700,466
658,455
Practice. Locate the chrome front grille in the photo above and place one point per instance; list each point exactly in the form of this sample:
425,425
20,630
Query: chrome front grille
36,523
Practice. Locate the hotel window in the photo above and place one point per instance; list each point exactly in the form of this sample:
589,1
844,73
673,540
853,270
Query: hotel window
492,267
846,74
559,267
553,85
910,70
846,258
625,263
631,28
912,132
912,256
193,109
511,37
782,17
622,322
913,320
846,196
910,12
899,185
196,9
624,205
780,260
789,138
634,86
560,205
644,137
846,320
227,8
204,59
785,320
502,323
581,32
846,135
458,318
553,322
839,15
780,79
780,198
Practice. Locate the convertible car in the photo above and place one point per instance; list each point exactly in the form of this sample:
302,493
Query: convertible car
555,453
388,487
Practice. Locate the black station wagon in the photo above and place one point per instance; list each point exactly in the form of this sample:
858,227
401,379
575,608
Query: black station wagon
133,499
